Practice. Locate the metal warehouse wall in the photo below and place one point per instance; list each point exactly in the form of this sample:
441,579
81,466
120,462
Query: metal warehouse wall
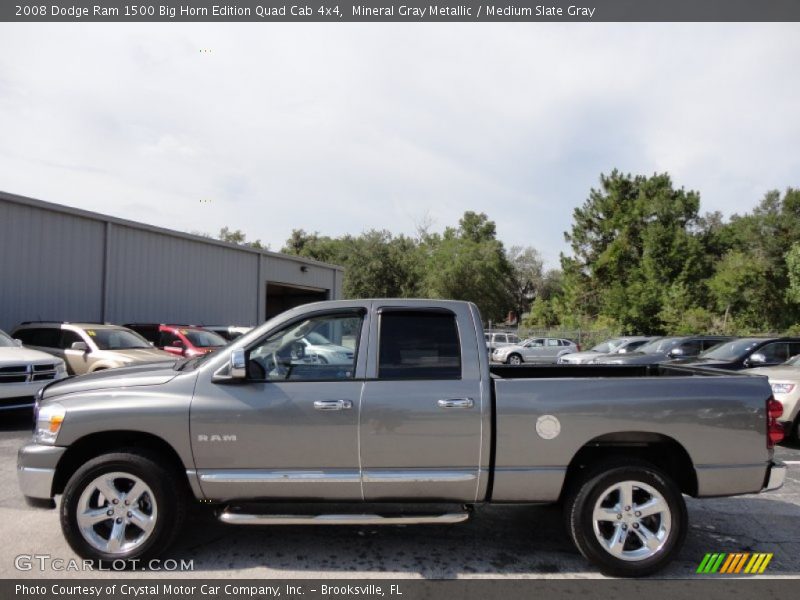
157,277
51,266
61,263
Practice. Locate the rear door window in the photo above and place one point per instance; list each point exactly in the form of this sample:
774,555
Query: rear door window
419,345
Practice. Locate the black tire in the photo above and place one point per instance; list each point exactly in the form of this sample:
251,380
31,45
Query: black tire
169,495
514,359
579,507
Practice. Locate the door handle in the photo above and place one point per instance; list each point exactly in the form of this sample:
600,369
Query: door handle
333,404
456,403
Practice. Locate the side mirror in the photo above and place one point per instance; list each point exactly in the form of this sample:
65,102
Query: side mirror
757,358
79,346
238,366
17,343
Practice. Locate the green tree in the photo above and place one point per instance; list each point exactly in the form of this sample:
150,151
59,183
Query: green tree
238,237
469,263
793,272
631,240
752,276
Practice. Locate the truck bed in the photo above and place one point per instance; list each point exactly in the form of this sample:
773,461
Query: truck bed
544,415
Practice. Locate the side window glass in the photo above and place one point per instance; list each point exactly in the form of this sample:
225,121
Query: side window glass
68,338
690,348
794,349
419,345
512,339
537,343
775,352
167,338
315,349
552,342
45,337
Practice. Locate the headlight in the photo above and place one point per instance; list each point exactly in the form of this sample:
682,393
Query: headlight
61,368
48,423
782,388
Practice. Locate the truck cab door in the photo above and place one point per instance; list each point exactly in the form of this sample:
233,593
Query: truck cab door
423,408
290,429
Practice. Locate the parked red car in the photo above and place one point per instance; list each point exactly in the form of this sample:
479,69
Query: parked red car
181,340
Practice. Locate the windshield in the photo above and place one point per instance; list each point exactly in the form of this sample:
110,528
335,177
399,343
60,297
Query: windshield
660,346
203,339
6,341
730,350
117,339
608,346
794,361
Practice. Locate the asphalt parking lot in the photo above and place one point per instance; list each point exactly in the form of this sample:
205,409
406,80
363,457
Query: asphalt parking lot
518,542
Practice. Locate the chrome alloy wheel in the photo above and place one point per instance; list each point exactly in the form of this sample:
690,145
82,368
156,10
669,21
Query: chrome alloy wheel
632,520
117,513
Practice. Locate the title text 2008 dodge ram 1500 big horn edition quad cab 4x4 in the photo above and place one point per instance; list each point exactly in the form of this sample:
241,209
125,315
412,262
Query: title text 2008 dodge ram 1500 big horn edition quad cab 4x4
414,416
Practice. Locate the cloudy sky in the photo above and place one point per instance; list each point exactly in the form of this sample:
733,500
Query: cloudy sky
343,128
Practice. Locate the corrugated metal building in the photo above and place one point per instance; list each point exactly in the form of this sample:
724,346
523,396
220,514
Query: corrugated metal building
61,263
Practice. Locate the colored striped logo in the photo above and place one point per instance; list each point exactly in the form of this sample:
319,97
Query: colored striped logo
736,563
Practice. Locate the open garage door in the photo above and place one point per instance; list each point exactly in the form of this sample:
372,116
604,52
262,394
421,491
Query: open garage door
282,296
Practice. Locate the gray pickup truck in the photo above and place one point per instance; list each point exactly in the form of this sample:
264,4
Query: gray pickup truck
402,422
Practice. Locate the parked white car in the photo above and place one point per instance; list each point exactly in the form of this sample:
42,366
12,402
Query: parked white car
23,372
785,382
535,350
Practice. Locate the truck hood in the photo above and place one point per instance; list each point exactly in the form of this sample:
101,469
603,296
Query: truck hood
138,375
17,355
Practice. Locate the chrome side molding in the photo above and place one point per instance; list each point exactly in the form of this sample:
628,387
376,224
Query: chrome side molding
234,518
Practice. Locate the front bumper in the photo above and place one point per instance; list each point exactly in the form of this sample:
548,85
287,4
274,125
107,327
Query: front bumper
36,469
776,475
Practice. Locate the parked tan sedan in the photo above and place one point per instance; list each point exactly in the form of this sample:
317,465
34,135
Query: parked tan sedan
785,382
90,347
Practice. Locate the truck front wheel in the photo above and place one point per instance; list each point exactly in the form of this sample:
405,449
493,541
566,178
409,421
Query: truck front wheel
122,506
630,520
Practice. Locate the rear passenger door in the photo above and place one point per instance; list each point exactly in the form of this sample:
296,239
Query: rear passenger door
420,426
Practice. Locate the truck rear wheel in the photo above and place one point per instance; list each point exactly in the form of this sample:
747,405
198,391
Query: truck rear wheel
630,520
122,506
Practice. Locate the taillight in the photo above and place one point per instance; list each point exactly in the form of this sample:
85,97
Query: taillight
775,430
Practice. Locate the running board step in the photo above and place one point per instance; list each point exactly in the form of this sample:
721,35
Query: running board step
236,518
